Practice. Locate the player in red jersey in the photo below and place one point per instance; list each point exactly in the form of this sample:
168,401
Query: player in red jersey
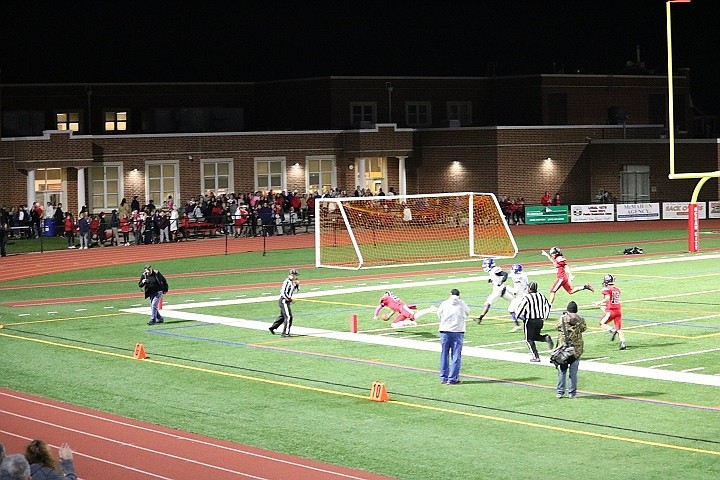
406,313
563,277
610,305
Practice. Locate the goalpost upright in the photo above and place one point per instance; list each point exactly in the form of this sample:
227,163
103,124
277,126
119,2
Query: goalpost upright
399,230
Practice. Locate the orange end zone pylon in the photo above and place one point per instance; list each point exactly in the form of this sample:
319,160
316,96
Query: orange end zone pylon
353,323
139,351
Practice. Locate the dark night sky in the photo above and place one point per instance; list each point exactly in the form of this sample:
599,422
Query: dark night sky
242,40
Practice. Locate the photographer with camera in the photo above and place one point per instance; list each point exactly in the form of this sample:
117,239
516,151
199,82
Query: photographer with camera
574,326
155,286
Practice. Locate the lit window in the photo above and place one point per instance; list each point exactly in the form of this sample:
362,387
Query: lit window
105,186
217,176
116,121
269,174
68,121
162,181
320,174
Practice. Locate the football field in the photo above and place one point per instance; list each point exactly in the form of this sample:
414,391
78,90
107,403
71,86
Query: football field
650,411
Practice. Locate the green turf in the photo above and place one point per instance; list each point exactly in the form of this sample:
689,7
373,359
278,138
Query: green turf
309,396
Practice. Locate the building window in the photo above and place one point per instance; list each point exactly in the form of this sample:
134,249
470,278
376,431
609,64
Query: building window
217,176
116,121
270,174
162,181
362,114
105,187
68,121
418,114
459,113
320,174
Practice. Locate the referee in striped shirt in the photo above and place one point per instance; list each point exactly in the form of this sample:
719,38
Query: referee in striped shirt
289,286
534,309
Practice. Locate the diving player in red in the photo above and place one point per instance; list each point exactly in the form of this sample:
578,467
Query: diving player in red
406,313
610,305
563,277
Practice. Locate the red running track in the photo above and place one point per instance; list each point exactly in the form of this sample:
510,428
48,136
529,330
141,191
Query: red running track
111,447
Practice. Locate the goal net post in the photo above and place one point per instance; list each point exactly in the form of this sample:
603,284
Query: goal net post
402,230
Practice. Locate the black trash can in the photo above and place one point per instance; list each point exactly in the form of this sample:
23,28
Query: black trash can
49,227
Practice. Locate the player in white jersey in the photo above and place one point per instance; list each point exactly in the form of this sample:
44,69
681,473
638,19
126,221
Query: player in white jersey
497,277
519,289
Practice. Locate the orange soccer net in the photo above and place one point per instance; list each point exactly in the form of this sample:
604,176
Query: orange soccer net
399,230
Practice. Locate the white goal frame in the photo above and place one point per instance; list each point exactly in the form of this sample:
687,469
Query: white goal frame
339,202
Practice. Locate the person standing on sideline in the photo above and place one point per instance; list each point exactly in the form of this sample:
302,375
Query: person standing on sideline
69,228
574,326
612,310
4,231
563,275
534,309
155,286
452,314
289,286
84,231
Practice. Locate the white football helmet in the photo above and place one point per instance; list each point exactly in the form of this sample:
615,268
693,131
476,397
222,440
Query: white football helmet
554,251
488,264
608,280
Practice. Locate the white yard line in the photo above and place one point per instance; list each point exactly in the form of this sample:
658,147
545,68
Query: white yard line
468,351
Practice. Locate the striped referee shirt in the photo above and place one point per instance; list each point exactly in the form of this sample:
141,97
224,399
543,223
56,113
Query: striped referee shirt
534,306
287,289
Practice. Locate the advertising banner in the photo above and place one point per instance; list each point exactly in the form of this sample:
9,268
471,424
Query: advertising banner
595,212
630,212
679,210
714,209
550,214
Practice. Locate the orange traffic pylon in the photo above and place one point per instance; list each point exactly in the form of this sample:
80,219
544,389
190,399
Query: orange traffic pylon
139,351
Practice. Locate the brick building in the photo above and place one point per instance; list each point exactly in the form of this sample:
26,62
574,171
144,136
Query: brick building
573,134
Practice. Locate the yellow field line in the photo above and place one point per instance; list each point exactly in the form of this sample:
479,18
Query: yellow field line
366,398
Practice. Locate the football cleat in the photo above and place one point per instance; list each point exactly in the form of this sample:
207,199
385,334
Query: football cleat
587,286
516,268
608,280
488,264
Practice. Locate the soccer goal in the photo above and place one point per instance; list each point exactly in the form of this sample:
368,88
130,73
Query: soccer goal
398,230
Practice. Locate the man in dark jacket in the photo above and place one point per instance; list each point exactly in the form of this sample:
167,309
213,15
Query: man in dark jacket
155,287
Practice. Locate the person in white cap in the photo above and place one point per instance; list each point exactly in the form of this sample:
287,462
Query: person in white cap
289,286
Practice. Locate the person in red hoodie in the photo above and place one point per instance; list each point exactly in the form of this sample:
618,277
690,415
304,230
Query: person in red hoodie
125,229
70,229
